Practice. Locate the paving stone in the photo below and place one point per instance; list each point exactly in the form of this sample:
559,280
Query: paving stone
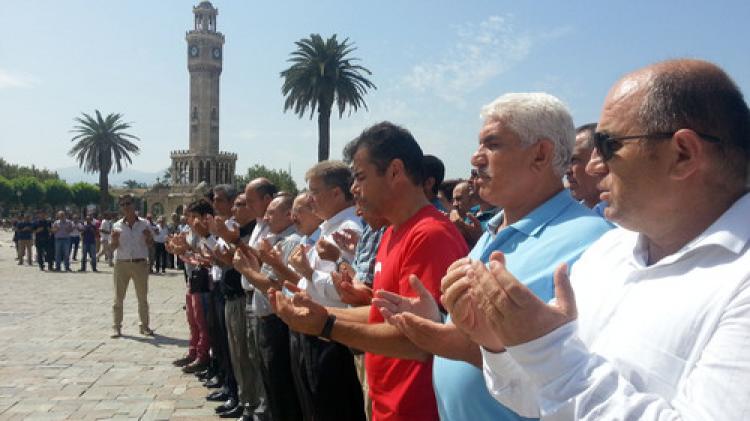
57,361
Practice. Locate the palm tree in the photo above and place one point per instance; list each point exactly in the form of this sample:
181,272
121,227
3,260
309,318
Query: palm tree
100,144
322,73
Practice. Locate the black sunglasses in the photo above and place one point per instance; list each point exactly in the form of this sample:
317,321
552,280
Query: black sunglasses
125,203
606,145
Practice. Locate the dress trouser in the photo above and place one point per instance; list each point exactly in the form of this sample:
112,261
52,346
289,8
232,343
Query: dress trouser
75,240
160,256
219,342
359,363
244,369
88,249
24,248
275,364
199,336
325,379
123,273
45,252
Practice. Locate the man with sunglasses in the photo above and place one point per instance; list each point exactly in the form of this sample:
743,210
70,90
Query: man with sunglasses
654,321
584,186
131,237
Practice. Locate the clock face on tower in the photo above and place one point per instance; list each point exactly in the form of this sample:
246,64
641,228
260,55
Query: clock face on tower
193,50
216,53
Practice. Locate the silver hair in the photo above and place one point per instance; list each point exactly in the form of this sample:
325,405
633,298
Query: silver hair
534,116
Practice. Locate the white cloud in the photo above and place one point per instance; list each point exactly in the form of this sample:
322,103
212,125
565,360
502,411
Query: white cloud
480,53
10,80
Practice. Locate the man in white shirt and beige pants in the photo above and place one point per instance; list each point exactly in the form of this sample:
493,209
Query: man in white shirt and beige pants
131,238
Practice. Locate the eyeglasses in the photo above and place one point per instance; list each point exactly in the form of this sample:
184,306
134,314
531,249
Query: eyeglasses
126,203
606,145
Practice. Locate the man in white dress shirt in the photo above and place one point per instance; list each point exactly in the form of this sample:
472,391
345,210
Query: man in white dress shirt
324,371
131,238
656,324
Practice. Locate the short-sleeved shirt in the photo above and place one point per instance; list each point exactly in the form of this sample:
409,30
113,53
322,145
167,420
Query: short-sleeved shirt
557,231
424,245
64,229
105,230
43,235
88,233
132,243
24,230
160,233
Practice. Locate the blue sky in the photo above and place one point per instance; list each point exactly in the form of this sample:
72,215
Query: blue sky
435,64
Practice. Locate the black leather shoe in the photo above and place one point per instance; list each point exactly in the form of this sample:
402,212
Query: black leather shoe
217,396
232,413
182,362
230,404
195,367
213,382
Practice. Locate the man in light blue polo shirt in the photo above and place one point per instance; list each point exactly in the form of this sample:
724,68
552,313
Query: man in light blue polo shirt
525,146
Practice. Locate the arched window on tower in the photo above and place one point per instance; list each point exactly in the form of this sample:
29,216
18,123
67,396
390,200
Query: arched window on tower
190,173
208,172
214,114
194,113
200,171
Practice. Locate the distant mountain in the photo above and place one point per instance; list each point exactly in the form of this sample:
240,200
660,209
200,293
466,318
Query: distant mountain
75,174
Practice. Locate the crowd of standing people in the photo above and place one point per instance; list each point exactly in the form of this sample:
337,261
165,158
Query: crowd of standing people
593,273
53,243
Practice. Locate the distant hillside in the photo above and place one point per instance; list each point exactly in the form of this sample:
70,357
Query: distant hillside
75,174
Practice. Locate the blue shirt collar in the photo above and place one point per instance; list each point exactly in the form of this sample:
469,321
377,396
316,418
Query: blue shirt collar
537,219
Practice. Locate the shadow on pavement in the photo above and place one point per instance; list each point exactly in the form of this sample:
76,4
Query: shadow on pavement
156,340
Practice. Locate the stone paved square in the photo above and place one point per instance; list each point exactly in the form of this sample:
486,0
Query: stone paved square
57,361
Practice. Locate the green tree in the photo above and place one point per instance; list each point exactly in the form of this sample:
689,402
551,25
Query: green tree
29,191
282,179
101,145
7,194
133,184
321,74
11,171
57,193
84,194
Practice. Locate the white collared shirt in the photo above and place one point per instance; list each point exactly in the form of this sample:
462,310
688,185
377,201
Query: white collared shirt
665,341
160,233
260,231
132,242
320,287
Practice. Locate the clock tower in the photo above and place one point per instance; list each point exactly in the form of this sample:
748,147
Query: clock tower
203,162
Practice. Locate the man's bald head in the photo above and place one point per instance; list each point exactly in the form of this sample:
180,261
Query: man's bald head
697,95
258,193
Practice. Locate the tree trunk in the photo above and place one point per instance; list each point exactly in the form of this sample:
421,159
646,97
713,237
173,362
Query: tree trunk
103,190
324,132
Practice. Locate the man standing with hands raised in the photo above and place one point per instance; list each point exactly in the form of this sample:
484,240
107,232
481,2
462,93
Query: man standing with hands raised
131,237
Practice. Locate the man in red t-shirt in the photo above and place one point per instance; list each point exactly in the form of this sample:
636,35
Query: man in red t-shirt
421,241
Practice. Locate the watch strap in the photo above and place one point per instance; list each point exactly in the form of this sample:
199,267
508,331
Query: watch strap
328,327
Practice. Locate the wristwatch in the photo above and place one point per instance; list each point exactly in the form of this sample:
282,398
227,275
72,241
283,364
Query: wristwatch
325,334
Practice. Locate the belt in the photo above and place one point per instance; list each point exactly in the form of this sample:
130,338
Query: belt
129,260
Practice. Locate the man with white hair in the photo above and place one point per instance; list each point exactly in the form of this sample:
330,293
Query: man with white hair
654,321
524,147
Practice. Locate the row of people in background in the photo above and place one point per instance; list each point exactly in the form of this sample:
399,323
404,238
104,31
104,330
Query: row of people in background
57,241
463,314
